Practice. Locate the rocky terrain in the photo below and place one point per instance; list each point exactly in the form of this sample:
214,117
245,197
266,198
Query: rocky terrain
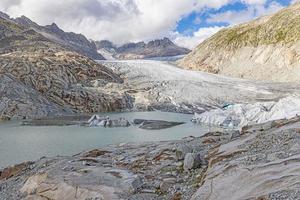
72,41
264,49
156,48
48,79
258,162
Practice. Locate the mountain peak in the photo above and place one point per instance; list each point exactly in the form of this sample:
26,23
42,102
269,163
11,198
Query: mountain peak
156,48
53,27
4,15
161,42
25,21
104,44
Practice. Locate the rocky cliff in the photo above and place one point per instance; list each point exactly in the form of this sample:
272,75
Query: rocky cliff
156,48
40,77
264,49
70,40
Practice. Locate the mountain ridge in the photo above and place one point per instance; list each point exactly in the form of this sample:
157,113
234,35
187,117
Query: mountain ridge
248,49
73,41
139,50
40,77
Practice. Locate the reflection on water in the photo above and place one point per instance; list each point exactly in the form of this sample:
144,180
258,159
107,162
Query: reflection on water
22,143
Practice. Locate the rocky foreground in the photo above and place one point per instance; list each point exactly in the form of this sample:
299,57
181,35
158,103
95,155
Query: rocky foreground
258,162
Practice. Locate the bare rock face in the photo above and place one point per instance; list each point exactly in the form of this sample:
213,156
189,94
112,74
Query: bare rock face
45,78
260,164
20,101
64,79
264,49
192,161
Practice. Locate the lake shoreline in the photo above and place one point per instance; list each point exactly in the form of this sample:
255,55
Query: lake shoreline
166,170
70,135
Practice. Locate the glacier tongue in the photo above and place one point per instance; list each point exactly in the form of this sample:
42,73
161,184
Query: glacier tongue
239,115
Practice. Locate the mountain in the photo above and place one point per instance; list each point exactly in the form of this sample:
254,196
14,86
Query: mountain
107,49
157,48
40,77
70,40
263,49
4,15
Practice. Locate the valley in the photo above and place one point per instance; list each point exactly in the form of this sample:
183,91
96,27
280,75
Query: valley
91,119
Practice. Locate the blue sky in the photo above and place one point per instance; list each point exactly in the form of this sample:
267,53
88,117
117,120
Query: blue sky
196,20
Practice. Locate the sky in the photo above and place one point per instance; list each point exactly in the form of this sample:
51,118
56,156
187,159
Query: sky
186,22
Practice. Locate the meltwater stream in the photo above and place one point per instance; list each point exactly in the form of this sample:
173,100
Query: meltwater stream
23,143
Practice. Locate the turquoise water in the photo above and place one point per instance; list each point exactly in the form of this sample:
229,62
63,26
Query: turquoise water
22,143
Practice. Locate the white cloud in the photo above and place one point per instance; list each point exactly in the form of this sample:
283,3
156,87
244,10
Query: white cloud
255,2
197,37
116,20
252,11
294,1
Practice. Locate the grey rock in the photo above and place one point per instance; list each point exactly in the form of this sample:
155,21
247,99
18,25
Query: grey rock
145,196
166,184
138,121
135,183
155,124
192,161
182,150
121,122
96,120
99,83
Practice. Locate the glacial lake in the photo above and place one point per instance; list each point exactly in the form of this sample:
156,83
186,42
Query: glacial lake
20,143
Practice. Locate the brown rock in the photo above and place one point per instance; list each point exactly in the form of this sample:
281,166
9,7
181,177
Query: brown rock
14,170
95,153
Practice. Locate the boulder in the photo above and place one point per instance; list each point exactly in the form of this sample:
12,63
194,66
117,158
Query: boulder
182,150
133,184
32,183
95,153
99,83
155,124
14,170
192,161
121,122
138,121
166,184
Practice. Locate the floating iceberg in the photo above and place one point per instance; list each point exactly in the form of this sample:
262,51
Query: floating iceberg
239,115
